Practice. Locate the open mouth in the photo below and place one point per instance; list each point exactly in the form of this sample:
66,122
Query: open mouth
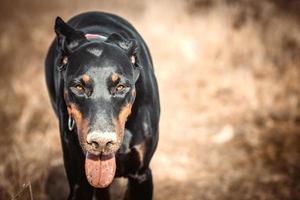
100,169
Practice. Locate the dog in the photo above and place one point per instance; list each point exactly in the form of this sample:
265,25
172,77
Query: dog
102,87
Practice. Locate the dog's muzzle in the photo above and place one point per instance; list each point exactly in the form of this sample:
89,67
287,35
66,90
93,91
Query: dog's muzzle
102,142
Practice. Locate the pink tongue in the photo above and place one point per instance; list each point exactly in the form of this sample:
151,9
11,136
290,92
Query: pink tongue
100,170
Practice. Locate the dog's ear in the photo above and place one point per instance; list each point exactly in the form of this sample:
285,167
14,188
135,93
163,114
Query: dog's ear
67,37
129,46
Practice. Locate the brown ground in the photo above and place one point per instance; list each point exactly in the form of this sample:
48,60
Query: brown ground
228,74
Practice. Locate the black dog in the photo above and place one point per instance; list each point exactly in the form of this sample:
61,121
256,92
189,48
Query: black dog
102,87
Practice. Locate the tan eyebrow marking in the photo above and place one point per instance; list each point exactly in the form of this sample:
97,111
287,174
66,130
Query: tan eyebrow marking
114,77
82,124
86,78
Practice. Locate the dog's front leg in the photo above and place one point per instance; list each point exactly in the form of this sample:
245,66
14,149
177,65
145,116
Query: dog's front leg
140,186
74,163
145,133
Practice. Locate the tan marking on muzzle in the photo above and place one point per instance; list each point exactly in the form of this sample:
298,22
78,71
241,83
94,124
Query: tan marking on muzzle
82,124
121,120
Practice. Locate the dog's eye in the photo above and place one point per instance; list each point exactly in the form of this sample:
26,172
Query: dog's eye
79,88
120,88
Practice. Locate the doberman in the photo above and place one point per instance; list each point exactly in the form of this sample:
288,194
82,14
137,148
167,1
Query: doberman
102,87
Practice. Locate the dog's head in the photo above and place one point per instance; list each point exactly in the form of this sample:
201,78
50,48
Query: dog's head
99,86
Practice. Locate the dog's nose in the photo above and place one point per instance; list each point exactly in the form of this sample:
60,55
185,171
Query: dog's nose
101,141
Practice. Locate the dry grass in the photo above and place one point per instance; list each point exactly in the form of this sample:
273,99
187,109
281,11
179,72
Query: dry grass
228,74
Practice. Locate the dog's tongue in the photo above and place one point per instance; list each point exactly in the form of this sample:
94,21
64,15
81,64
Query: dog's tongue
100,170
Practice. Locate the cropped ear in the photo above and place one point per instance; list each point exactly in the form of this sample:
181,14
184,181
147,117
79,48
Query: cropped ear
130,46
68,38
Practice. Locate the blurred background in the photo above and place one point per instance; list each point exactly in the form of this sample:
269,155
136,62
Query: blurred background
229,79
